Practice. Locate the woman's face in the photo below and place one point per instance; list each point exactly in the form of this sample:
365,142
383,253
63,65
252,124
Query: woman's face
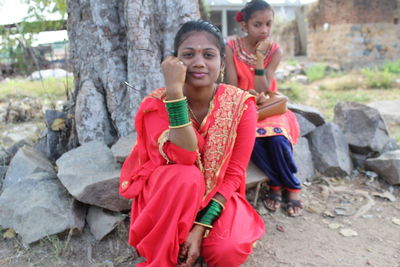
259,25
202,58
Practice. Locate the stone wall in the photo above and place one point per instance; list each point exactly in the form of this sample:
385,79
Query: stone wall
354,33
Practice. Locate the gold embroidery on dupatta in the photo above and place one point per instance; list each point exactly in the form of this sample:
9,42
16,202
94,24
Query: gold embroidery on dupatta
222,133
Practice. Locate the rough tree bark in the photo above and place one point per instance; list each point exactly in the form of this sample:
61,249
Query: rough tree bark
112,42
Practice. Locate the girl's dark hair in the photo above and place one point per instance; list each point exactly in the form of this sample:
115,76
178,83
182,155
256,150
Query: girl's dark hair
253,6
199,26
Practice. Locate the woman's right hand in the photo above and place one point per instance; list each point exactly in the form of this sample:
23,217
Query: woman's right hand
174,72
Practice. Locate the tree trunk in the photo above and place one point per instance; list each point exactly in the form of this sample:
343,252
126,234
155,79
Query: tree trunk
112,42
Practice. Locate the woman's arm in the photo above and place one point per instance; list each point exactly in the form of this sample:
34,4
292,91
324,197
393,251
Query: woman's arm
174,72
262,83
230,69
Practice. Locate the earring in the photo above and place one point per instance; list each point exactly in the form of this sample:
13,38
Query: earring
222,74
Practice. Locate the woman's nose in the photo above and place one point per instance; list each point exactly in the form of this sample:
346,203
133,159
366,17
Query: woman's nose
198,61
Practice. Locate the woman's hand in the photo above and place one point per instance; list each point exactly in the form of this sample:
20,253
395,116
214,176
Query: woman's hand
190,249
174,72
263,48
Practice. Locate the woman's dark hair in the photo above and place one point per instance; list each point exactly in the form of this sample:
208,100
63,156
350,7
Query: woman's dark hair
199,26
253,6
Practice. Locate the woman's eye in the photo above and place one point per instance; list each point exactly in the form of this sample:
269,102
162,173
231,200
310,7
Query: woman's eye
187,55
209,55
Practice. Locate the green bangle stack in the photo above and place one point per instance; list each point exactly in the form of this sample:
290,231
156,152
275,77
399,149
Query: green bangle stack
178,112
260,72
207,216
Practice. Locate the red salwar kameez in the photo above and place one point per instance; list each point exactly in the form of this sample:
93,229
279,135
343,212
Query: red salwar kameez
169,185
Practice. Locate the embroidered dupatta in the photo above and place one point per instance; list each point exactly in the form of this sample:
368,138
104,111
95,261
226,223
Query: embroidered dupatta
216,139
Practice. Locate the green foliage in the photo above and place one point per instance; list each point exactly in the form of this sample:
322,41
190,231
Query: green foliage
316,72
38,9
377,79
292,90
392,66
292,62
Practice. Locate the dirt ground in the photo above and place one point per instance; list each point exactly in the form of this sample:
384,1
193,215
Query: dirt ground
314,239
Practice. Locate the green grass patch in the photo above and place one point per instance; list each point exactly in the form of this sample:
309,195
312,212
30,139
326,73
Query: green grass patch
392,67
293,90
378,79
316,72
50,88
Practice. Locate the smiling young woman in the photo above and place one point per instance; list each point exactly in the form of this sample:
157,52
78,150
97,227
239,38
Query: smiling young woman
186,173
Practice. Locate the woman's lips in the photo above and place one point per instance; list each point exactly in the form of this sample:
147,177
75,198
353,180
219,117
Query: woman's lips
198,75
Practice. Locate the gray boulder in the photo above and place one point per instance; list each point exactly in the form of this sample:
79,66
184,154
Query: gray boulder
362,126
389,110
91,175
306,126
28,162
38,208
311,114
303,159
122,148
330,151
386,166
102,222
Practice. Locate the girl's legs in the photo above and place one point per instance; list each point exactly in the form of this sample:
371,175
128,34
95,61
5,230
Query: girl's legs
232,237
163,214
275,157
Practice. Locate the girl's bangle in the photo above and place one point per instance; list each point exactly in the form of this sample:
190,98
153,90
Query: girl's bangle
260,72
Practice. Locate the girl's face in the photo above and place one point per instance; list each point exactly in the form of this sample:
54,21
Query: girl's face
259,25
201,55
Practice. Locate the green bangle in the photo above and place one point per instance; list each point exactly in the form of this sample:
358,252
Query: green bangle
209,214
260,72
178,112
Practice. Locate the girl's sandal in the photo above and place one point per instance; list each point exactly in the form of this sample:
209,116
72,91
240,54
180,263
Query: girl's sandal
291,206
275,198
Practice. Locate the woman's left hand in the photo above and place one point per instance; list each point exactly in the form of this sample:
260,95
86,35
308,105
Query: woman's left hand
190,250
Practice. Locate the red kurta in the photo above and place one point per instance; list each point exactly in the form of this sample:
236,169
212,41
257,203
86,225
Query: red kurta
169,184
284,124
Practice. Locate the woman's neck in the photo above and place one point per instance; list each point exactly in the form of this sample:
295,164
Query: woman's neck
249,44
199,96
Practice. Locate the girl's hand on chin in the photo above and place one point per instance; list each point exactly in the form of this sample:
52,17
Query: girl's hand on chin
263,48
174,72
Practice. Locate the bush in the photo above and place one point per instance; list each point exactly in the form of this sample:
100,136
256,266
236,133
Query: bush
377,79
316,72
392,67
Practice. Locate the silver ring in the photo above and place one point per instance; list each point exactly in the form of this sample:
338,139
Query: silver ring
180,62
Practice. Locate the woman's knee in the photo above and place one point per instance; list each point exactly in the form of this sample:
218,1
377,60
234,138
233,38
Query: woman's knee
182,175
226,252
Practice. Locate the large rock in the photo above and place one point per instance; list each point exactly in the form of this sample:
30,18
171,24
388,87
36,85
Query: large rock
102,222
303,159
91,175
363,127
28,162
38,208
386,166
389,110
306,126
311,114
122,148
330,151
23,131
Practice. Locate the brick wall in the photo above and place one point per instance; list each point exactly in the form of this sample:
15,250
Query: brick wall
354,33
